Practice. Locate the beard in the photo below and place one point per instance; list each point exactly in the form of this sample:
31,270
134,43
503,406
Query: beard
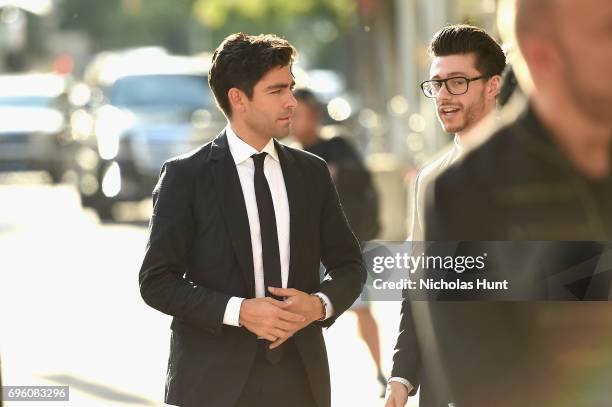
467,117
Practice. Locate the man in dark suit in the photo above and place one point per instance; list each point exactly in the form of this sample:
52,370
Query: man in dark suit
546,176
465,81
240,218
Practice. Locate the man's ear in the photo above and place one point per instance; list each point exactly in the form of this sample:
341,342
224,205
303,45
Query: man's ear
237,100
494,86
541,58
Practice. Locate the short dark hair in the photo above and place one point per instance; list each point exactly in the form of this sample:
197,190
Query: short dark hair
465,39
307,97
241,60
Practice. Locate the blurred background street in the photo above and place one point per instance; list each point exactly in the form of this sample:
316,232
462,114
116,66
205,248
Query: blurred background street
96,95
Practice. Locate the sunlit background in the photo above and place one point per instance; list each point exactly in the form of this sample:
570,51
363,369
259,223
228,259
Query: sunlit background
95,95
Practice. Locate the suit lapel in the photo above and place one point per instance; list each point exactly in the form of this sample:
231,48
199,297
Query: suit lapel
297,206
231,199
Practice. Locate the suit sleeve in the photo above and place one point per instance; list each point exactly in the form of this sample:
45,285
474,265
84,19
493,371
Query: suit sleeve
171,232
407,356
340,253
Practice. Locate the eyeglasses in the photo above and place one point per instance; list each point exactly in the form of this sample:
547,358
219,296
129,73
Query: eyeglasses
457,85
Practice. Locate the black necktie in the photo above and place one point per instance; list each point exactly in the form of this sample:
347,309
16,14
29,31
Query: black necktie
267,226
269,240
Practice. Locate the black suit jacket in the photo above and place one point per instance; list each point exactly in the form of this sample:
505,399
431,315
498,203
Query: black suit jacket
199,255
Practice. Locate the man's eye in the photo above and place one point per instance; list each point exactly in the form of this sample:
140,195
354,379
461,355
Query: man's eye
276,92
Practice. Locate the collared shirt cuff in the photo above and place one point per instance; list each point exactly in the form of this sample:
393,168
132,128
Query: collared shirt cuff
402,381
329,309
232,311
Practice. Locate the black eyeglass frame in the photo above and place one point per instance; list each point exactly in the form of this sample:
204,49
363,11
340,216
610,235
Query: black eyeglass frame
443,82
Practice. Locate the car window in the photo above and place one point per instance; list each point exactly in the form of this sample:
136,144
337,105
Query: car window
167,91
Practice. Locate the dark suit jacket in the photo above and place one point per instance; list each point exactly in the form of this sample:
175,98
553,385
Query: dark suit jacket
199,255
407,362
519,185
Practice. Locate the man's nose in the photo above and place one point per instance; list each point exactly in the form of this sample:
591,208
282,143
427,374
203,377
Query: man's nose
292,101
443,94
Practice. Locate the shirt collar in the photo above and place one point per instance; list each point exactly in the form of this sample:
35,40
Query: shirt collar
458,144
241,151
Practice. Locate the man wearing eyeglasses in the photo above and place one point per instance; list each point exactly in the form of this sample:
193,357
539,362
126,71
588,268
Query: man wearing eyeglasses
465,79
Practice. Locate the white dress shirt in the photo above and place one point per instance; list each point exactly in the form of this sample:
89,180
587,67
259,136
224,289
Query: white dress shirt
241,153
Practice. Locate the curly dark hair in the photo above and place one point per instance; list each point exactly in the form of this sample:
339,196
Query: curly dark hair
241,60
465,39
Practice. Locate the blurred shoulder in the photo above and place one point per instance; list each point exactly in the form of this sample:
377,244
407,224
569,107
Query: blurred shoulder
194,160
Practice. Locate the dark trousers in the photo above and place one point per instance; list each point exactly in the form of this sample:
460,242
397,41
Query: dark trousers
283,384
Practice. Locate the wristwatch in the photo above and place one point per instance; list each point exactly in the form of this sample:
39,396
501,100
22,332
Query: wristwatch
324,304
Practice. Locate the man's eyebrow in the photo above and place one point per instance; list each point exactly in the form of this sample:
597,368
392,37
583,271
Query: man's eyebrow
277,86
452,74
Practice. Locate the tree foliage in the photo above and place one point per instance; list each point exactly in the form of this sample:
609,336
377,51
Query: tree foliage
115,24
216,13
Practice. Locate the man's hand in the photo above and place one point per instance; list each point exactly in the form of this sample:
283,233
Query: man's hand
298,302
397,395
268,318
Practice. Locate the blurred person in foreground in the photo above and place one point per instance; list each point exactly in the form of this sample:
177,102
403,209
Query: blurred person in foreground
465,81
545,176
357,195
238,231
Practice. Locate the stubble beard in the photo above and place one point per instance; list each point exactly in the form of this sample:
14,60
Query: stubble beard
471,114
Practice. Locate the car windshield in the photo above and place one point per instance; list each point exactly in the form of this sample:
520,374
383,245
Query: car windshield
27,101
161,91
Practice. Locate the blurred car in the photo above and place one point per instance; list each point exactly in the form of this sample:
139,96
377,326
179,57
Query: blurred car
146,106
33,123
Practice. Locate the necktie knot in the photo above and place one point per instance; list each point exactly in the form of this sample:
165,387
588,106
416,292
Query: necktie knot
259,159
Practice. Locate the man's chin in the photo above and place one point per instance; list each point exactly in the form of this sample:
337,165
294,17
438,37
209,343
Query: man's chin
452,129
281,133
450,126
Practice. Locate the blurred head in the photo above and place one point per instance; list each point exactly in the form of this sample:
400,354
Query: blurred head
567,46
306,117
252,82
475,62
